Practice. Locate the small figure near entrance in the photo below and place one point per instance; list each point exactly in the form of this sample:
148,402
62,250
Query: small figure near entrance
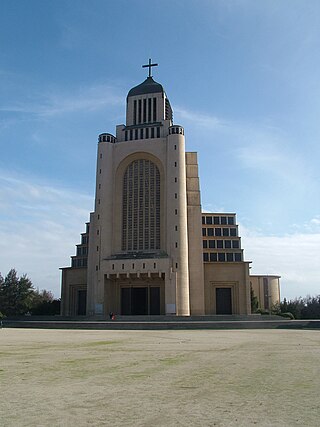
112,316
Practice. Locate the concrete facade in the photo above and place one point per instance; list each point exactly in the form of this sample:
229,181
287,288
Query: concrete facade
146,247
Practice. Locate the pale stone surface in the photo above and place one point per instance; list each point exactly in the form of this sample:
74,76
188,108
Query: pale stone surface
159,378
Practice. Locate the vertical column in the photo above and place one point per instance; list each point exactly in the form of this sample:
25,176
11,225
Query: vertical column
177,234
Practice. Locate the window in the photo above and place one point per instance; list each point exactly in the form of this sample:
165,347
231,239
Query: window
135,112
204,244
203,220
229,257
176,211
212,244
176,179
175,164
204,231
205,257
216,220
139,111
131,134
175,195
213,257
154,109
209,220
158,132
230,220
210,231
225,231
147,133
176,265
143,265
126,135
221,257
235,244
227,244
176,228
233,232
223,220
154,265
141,133
152,132
175,147
238,257
100,156
220,244
112,266
141,206
218,231
149,110
176,244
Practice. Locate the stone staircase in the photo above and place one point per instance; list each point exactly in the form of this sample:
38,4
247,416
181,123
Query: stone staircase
162,322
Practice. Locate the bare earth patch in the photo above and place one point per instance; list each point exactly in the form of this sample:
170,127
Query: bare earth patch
159,378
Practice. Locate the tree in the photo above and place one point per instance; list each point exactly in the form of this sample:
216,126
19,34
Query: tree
254,301
16,294
45,304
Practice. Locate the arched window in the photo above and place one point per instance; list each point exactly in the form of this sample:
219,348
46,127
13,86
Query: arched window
141,207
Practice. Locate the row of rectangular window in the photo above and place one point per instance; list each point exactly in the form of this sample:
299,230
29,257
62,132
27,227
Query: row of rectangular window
143,133
218,220
79,262
221,244
82,250
226,232
144,111
133,266
222,257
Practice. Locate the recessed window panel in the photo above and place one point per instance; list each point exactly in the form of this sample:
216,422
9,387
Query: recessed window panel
209,220
238,257
235,244
212,244
210,231
216,220
205,257
230,220
227,244
221,257
218,231
204,244
213,257
220,244
229,257
223,220
141,206
204,232
225,231
233,232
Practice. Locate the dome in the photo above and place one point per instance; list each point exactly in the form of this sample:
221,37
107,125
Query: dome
148,86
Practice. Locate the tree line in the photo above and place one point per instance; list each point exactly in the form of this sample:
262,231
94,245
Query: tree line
297,308
18,297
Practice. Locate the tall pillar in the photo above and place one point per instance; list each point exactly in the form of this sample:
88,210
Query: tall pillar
177,230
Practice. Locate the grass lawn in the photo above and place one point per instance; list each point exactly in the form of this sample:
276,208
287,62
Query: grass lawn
159,378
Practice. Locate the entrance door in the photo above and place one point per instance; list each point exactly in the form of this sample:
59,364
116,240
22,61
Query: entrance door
154,300
140,300
223,301
82,303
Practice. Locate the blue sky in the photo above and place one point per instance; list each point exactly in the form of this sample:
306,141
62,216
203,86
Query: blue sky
243,79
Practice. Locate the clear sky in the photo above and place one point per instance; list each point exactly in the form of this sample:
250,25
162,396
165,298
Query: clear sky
243,78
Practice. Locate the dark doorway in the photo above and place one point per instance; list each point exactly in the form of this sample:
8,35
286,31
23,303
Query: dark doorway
154,300
223,301
82,303
140,301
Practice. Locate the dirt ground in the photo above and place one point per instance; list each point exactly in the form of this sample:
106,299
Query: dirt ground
159,378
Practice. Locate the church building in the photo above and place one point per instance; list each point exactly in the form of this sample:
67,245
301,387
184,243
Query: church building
148,249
